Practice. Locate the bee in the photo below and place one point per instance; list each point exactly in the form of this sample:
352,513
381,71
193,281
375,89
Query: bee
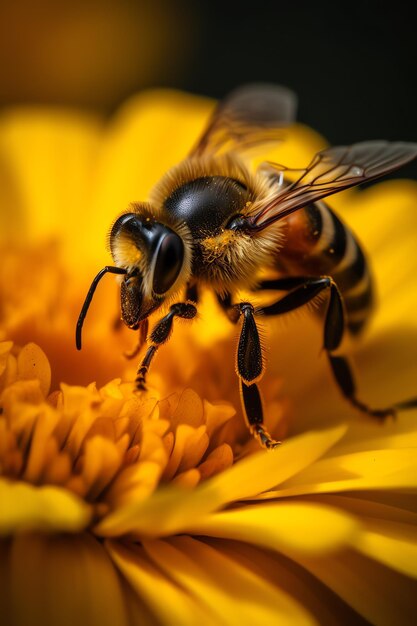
211,222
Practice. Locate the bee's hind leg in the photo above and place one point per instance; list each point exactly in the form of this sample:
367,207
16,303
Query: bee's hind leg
304,290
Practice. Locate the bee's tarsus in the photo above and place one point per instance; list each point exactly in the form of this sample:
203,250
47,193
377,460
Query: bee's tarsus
344,378
265,438
406,405
380,414
253,412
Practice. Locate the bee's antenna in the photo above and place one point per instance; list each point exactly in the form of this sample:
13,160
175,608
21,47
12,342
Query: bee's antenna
89,297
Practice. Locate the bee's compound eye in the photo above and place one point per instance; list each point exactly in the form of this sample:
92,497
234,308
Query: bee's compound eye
121,223
169,258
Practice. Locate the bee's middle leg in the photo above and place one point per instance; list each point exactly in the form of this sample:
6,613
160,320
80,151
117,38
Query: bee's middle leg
249,367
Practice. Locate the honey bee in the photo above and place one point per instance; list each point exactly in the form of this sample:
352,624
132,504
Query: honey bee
213,223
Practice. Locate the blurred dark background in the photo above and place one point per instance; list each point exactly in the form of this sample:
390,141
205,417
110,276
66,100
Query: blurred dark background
352,64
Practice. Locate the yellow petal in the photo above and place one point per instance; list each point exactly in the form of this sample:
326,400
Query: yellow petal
217,461
373,469
32,363
55,182
169,602
63,580
100,462
380,595
197,445
189,447
263,470
390,506
134,484
43,448
25,507
8,365
188,479
133,159
235,594
5,347
19,393
137,609
172,510
388,533
368,434
323,605
189,410
391,543
167,511
217,415
285,526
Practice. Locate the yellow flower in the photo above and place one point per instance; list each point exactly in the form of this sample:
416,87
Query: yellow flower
160,508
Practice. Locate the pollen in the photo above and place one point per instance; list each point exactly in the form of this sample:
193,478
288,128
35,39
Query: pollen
218,245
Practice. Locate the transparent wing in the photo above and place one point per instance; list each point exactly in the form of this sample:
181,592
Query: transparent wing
248,116
330,171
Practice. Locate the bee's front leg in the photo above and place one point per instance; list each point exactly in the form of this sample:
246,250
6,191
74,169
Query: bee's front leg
159,335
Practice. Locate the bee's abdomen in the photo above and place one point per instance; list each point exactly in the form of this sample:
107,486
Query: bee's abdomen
318,243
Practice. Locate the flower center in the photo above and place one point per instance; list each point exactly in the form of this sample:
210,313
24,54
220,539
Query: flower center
108,446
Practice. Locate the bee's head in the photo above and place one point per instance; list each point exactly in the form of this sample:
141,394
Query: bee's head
156,258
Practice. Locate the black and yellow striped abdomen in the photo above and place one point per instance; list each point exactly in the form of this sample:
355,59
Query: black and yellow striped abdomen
318,243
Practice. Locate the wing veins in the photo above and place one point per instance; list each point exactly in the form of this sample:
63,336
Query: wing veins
372,160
